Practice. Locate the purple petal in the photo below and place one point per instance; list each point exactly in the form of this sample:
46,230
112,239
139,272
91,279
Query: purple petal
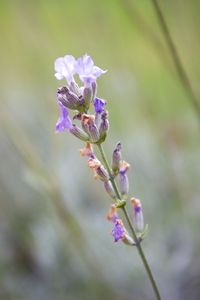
86,70
65,68
84,65
137,209
64,121
118,232
98,72
99,105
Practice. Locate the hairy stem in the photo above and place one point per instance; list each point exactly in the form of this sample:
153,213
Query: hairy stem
137,242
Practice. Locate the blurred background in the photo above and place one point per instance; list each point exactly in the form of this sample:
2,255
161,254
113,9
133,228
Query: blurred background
55,241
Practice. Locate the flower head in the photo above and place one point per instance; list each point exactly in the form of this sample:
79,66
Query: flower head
64,121
87,71
65,68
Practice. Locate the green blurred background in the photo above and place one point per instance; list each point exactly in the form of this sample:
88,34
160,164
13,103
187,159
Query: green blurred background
55,241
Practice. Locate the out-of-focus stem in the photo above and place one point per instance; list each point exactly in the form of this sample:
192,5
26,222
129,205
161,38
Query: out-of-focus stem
176,59
137,242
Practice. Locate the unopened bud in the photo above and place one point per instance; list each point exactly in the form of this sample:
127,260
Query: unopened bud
90,127
93,132
123,178
104,126
123,184
138,219
102,173
116,158
98,168
128,240
67,98
79,133
109,189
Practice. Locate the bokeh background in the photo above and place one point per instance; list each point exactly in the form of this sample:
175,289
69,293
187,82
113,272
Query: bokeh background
55,242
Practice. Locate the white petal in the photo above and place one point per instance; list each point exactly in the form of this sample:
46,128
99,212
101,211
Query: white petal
97,71
58,64
59,76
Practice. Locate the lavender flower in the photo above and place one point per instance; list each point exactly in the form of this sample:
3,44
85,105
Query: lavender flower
64,121
118,231
138,219
87,71
65,68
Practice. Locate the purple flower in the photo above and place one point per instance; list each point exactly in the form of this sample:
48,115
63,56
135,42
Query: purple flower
65,68
118,231
99,105
87,71
64,121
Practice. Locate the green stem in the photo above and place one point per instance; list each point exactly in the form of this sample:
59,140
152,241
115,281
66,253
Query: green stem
137,242
176,59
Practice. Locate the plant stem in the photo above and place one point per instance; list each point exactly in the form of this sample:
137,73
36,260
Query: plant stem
176,59
137,242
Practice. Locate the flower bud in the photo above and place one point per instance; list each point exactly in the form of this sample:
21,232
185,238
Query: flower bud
138,219
94,132
109,189
128,240
79,133
67,98
85,121
104,126
98,168
116,158
123,178
102,173
90,127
